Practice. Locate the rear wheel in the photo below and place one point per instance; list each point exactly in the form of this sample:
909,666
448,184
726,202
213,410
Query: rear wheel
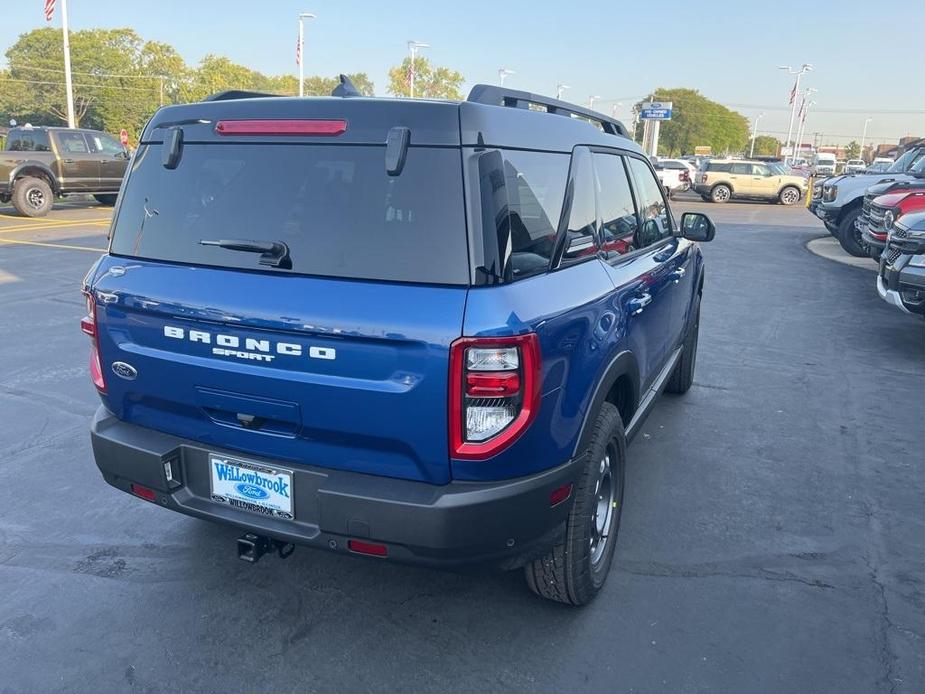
721,193
32,197
849,236
789,196
574,572
107,199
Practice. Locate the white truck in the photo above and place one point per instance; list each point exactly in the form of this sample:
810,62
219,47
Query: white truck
824,164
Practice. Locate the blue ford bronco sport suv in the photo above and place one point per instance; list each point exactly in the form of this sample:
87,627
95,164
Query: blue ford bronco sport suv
422,331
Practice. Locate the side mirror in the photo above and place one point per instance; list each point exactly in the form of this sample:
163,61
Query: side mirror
696,226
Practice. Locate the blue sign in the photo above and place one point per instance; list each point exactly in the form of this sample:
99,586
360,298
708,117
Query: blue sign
655,110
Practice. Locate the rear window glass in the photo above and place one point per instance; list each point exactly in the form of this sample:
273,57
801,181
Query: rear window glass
333,206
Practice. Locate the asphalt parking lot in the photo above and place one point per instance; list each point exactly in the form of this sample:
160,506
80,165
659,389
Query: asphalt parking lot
773,538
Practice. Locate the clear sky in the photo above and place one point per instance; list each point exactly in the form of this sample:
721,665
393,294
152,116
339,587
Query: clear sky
617,50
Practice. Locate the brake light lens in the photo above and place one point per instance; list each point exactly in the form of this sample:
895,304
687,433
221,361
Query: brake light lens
88,327
494,393
281,127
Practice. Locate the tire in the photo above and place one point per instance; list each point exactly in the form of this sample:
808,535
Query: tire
721,193
32,197
831,228
109,199
789,196
849,236
683,375
574,571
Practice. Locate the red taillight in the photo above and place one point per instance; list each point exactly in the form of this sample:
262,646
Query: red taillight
281,127
144,492
492,385
494,393
88,327
373,549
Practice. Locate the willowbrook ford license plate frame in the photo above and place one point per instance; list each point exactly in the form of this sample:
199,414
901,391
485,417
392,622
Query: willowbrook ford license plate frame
253,487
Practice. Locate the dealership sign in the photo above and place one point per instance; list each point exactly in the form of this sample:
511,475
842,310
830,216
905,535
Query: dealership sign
655,110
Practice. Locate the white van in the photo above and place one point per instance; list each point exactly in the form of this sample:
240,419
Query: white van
824,164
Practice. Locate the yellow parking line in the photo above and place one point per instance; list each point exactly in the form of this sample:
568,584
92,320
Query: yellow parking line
62,224
54,245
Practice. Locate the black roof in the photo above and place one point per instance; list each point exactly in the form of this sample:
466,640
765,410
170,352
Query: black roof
433,123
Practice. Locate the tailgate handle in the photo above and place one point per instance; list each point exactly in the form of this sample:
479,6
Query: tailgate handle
249,421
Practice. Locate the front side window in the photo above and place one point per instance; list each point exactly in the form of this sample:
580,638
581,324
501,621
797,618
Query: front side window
760,170
615,201
655,218
105,144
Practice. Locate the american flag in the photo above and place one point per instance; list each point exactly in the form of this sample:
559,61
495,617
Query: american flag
803,111
793,94
298,48
49,10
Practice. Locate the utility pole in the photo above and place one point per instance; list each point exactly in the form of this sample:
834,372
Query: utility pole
864,136
301,54
71,121
758,118
806,67
413,46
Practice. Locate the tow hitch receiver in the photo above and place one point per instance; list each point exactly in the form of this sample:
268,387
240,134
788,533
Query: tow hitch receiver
251,547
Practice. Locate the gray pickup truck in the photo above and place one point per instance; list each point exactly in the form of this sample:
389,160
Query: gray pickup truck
37,164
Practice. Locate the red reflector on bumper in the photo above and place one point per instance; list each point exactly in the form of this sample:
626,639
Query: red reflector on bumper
561,494
144,492
281,127
373,549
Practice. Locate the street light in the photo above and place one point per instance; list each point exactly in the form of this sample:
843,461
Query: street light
805,67
864,136
801,131
302,16
561,88
413,46
758,118
591,101
502,73
615,109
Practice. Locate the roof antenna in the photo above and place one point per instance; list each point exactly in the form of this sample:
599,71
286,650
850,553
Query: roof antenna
345,88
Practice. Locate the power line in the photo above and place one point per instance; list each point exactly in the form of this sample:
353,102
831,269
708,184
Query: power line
88,74
91,86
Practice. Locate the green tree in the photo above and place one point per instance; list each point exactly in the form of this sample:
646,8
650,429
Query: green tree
697,120
768,146
853,150
430,81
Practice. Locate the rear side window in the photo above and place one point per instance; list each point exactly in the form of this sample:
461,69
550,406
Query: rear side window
73,143
535,189
656,222
334,206
615,201
741,169
718,168
579,238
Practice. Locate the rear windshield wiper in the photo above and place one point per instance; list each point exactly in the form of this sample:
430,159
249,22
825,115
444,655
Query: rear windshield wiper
272,253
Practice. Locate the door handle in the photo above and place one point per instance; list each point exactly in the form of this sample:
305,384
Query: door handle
677,275
638,304
68,161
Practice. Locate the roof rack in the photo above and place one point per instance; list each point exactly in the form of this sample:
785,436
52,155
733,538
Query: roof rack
499,96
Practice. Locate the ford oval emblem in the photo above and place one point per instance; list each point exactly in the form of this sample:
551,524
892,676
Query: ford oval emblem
123,370
251,491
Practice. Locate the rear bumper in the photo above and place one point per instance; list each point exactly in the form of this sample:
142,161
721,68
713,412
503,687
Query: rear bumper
501,523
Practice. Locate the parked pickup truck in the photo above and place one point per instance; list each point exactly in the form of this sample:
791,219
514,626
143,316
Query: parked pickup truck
39,163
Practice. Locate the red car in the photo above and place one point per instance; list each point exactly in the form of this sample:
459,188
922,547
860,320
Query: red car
884,210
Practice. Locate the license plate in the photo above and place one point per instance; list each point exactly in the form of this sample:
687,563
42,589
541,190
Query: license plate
251,487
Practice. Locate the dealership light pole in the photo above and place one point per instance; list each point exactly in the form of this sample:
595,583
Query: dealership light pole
301,53
806,67
801,131
561,88
502,73
414,46
591,101
758,118
864,136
